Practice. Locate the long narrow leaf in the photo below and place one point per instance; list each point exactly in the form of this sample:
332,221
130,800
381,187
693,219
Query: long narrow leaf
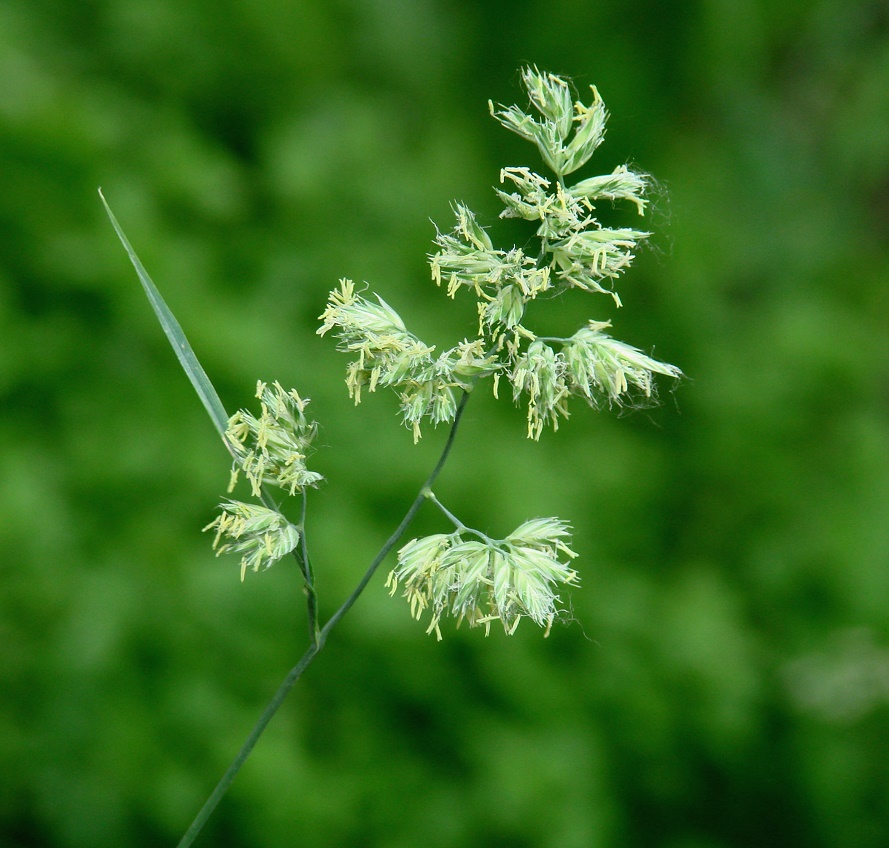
176,336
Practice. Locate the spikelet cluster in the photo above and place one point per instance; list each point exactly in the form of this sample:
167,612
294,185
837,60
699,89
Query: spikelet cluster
570,249
268,449
486,580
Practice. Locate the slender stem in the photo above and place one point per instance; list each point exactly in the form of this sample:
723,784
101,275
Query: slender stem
399,531
302,558
311,595
448,514
223,785
461,527
296,672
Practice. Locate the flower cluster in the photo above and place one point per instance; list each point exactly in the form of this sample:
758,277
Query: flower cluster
566,137
389,355
598,367
482,580
487,580
387,352
262,536
502,280
270,449
575,251
590,364
479,579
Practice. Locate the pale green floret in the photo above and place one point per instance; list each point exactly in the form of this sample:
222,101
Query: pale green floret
467,257
262,536
351,313
471,564
273,448
431,399
598,366
587,258
538,372
468,569
532,199
621,184
551,97
542,532
545,134
387,353
419,569
468,360
589,134
488,580
505,308
470,229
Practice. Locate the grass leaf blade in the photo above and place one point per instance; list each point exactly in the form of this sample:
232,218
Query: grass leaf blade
175,335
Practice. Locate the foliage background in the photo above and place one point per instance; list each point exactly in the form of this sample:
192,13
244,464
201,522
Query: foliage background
726,682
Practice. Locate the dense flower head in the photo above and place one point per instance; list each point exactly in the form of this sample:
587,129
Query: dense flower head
273,447
551,97
487,580
591,365
386,352
466,257
390,356
539,372
600,367
262,536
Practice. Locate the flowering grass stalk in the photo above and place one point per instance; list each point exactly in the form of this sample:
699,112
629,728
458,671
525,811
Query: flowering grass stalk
462,573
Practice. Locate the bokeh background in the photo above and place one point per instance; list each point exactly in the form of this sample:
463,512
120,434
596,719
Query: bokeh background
725,681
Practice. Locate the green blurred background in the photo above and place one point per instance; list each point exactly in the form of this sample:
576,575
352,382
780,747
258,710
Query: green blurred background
726,682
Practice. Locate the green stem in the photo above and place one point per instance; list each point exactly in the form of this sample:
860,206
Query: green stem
232,772
399,531
308,574
302,559
461,527
296,672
